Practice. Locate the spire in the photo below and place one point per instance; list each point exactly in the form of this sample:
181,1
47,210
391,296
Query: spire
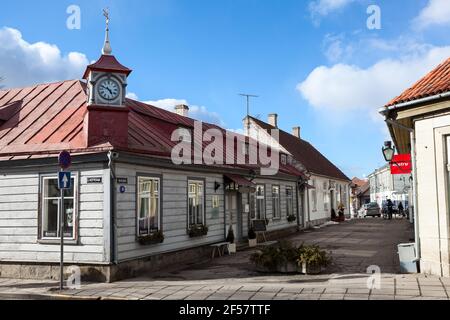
107,50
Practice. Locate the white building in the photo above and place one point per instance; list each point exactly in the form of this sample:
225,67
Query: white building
327,187
384,186
419,123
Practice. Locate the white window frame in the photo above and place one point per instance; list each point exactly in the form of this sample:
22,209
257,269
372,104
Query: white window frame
138,206
289,200
195,195
314,196
276,202
74,214
260,212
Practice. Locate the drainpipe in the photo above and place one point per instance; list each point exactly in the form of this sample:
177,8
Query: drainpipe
414,184
113,226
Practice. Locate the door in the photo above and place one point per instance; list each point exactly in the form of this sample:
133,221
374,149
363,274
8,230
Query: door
231,211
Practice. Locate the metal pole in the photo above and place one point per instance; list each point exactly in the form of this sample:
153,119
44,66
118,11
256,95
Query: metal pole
61,231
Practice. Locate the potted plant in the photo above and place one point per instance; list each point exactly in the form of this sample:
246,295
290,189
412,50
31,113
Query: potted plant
265,259
291,218
230,240
311,259
252,238
198,231
153,238
286,259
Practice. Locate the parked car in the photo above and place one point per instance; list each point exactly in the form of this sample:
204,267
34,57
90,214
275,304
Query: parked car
370,210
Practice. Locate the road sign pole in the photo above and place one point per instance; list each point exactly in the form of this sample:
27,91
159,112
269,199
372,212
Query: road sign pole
61,228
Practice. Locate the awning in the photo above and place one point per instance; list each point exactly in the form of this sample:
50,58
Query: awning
240,180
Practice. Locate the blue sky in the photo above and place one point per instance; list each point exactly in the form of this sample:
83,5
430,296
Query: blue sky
315,62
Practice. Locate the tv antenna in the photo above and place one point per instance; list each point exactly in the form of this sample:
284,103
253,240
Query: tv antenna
248,96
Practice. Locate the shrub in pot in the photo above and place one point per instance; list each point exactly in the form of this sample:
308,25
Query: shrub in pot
230,240
252,241
311,259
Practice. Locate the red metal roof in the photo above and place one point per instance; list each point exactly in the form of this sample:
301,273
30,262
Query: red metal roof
434,83
107,63
306,154
49,118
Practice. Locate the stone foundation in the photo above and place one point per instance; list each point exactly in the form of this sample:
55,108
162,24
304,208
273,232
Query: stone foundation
124,270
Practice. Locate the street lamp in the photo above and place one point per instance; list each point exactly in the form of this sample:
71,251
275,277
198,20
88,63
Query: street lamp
388,151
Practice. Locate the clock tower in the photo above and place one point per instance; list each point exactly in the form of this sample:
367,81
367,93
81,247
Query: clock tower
106,119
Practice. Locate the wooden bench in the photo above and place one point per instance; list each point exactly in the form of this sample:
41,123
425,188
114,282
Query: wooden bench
220,248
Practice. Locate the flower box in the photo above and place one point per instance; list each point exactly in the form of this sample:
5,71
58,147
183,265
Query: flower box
153,238
198,231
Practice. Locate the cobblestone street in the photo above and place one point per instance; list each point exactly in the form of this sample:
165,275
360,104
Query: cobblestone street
354,245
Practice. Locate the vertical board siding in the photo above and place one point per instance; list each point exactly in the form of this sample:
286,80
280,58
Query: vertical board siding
174,212
19,211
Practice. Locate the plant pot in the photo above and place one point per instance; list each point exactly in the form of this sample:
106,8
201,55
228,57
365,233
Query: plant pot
252,243
287,268
231,248
311,269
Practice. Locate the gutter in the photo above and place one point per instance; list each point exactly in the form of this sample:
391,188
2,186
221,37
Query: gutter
113,226
385,110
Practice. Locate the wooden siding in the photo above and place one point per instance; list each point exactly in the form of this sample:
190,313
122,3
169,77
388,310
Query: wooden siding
174,212
19,211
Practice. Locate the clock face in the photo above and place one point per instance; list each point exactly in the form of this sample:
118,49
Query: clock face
109,89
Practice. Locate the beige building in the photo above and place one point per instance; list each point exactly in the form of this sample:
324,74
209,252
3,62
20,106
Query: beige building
419,123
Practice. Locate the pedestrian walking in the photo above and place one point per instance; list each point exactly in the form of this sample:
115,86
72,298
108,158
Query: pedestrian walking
390,208
401,209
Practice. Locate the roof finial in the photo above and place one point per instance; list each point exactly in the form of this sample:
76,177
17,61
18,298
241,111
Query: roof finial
107,50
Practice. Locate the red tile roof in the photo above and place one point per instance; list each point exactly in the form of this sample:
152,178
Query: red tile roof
107,63
48,118
306,154
434,83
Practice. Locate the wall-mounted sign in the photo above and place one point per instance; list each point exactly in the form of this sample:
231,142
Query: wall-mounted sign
122,189
94,180
122,180
401,164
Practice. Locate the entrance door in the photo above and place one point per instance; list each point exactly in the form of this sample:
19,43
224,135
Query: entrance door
333,200
231,211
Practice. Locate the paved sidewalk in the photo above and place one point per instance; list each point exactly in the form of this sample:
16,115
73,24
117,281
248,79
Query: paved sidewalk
355,246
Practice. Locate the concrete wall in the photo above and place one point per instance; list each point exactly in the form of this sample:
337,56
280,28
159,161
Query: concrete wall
433,194
19,208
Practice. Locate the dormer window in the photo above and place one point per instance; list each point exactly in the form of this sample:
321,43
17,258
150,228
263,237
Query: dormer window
283,159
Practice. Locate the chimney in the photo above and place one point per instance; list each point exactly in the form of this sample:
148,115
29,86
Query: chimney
182,110
296,132
273,120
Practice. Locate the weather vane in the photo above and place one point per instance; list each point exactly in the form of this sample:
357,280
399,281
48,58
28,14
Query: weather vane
107,50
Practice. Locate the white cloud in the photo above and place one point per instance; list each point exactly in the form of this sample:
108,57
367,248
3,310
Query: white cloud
437,12
23,63
195,112
321,8
344,87
335,49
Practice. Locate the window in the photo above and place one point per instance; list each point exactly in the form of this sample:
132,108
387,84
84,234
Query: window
314,196
196,214
289,201
51,202
326,196
148,205
283,159
276,210
260,203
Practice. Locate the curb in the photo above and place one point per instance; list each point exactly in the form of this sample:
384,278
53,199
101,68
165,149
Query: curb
33,296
